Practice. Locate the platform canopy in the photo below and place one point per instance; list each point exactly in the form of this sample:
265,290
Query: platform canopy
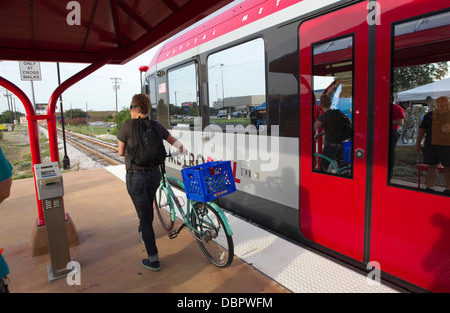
85,31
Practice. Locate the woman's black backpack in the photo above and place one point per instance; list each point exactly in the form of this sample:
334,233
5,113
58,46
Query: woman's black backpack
147,147
344,126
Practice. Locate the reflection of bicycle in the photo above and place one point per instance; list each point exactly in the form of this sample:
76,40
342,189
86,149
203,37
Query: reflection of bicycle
205,220
409,135
336,166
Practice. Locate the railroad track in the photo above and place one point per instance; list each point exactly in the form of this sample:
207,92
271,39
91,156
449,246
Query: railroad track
99,150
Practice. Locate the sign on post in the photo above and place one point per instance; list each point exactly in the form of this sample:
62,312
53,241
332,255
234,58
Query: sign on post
30,70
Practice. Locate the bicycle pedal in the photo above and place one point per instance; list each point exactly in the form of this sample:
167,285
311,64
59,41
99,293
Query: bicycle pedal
173,234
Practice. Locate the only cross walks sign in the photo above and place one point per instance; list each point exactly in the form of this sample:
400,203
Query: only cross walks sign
30,70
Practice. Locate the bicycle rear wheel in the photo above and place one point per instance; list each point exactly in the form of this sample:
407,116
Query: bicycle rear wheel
162,207
212,237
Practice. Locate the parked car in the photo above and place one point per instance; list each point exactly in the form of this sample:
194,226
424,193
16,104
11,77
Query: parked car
238,114
222,113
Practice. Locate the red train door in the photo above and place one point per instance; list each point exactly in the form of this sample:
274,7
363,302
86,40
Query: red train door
410,228
333,61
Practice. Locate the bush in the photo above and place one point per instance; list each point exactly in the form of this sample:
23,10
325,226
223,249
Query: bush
78,121
121,117
23,166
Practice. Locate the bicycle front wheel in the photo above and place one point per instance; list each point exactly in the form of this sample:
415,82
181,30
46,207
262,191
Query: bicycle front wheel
162,207
211,235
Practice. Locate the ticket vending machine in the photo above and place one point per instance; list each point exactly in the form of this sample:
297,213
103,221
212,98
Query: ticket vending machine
49,185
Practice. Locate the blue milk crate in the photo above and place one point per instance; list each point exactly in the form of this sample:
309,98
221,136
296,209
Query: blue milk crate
208,181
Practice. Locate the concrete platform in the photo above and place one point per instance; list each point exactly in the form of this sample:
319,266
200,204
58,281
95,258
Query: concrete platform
110,250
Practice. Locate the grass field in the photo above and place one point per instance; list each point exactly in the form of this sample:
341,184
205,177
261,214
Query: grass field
89,130
16,148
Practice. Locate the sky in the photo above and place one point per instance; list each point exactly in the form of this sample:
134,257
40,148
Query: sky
94,92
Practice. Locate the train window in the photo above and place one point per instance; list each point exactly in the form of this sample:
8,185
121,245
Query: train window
236,80
183,91
419,152
332,106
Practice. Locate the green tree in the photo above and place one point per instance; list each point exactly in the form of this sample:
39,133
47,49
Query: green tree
108,118
120,118
74,113
409,77
5,117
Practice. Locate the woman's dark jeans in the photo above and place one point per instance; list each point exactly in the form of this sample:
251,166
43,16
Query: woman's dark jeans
142,186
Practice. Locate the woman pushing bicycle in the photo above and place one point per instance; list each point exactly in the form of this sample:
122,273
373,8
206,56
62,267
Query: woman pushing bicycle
142,178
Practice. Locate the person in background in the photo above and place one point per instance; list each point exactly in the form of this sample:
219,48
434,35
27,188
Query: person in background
398,116
329,121
435,127
5,177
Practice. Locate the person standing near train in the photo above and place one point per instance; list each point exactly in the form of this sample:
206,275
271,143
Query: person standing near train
142,182
5,189
435,127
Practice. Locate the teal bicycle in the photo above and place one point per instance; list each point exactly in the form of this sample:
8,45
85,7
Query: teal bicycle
204,219
336,167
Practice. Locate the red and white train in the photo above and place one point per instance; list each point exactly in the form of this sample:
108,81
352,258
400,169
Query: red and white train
244,85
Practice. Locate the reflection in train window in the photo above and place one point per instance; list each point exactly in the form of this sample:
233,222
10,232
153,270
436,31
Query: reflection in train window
152,94
420,146
183,91
236,82
332,106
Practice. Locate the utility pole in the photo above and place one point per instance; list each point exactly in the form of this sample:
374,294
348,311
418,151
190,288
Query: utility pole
32,95
66,160
8,97
116,86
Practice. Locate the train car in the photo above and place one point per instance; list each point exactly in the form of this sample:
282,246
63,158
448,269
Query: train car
372,209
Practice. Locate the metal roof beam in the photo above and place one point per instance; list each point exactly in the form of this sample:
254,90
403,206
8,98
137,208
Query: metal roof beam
91,21
131,13
171,5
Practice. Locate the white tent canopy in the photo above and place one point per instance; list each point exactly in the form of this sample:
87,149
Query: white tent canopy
434,90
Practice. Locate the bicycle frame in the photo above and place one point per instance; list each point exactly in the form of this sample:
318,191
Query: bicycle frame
333,164
173,202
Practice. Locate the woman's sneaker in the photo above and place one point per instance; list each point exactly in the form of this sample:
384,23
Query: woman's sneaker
153,266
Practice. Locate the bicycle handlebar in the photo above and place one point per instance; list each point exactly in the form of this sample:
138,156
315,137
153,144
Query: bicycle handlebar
172,154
